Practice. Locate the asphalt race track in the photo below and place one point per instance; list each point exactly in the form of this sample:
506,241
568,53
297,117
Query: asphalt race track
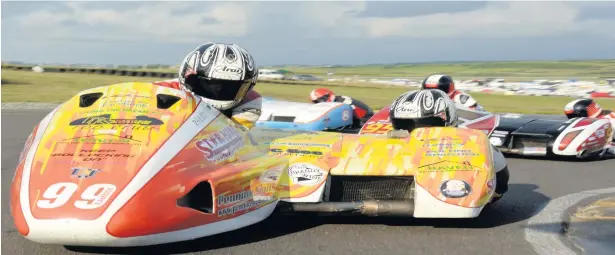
497,231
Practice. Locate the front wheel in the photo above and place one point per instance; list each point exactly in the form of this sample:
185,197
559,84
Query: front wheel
501,184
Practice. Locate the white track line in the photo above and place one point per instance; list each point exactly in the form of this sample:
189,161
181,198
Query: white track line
543,229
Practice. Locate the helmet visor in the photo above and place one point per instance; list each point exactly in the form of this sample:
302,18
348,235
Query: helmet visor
411,124
321,99
220,90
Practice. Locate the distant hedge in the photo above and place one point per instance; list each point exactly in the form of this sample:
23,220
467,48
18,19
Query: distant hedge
104,71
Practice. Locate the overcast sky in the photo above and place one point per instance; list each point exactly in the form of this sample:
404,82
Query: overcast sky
308,32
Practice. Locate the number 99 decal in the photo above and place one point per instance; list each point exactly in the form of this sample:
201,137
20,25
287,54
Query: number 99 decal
377,128
92,197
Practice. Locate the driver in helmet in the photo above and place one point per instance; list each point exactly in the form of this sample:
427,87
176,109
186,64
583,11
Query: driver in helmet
222,75
590,109
361,112
433,108
447,84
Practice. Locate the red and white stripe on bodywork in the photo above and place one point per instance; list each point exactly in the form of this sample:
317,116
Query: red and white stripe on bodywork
587,130
95,232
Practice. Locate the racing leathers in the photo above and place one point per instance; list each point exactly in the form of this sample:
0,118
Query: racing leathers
245,113
465,99
361,111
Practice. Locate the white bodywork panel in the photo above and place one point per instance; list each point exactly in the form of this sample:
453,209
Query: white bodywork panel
303,112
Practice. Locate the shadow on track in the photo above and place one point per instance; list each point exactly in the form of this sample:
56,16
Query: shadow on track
518,204
270,228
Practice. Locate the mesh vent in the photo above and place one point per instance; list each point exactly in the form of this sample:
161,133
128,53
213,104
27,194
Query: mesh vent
525,141
283,118
359,188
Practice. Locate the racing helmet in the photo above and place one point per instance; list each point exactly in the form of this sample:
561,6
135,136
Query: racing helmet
439,81
582,108
321,95
422,108
221,74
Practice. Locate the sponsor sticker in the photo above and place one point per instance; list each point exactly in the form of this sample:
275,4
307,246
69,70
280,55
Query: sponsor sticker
600,133
264,192
306,174
448,166
221,145
345,115
106,119
406,110
240,201
446,142
512,116
106,132
228,69
463,98
377,128
106,110
121,102
82,173
452,152
300,144
95,155
234,198
269,176
295,152
119,128
101,139
455,188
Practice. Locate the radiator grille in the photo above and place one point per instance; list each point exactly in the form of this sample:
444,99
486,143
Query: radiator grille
359,188
520,142
283,118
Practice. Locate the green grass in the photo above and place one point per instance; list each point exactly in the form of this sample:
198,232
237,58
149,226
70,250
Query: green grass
22,86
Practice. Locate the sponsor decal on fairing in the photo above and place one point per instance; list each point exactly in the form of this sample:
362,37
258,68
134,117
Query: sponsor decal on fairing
455,188
82,173
106,119
241,201
221,145
306,174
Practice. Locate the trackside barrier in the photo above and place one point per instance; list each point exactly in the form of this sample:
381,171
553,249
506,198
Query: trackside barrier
102,71
156,74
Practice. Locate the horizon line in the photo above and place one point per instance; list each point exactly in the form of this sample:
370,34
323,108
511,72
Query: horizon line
338,65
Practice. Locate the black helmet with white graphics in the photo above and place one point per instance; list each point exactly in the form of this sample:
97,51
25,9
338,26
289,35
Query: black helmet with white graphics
422,108
221,74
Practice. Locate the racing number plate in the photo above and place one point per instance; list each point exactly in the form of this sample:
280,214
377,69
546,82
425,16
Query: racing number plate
377,128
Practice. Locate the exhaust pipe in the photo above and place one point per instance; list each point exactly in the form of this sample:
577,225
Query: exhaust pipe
368,208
